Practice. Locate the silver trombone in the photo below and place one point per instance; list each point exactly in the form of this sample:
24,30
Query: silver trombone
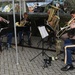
64,29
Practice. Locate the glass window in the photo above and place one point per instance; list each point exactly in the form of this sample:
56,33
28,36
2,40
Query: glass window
7,7
36,6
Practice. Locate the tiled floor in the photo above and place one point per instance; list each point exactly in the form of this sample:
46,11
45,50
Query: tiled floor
9,66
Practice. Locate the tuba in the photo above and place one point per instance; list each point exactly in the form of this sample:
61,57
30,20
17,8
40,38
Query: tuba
52,17
52,11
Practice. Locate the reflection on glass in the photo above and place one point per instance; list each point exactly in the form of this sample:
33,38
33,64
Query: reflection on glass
7,7
36,7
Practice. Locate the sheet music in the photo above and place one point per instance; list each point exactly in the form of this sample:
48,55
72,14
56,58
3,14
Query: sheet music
43,31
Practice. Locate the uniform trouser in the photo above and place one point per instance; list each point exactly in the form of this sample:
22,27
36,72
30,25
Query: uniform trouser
68,51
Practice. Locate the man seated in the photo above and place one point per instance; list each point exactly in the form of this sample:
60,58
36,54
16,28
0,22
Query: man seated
69,39
26,29
2,20
52,23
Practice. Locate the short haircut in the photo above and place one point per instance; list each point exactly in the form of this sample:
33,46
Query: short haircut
72,12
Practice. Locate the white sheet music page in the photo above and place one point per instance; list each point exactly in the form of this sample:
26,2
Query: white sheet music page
43,31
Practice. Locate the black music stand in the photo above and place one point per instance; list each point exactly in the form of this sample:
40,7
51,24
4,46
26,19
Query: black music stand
43,34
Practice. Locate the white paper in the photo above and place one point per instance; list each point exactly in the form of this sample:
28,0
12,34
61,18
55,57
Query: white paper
43,31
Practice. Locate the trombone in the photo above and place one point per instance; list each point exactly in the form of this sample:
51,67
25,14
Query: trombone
64,29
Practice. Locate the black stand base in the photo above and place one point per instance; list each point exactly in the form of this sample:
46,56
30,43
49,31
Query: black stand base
47,62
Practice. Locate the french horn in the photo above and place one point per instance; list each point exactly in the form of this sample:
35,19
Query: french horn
21,24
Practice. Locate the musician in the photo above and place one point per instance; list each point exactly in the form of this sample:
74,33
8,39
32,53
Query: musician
2,20
52,23
69,39
27,28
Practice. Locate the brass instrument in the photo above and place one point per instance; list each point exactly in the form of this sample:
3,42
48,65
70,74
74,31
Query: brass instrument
21,24
65,28
58,41
52,18
52,11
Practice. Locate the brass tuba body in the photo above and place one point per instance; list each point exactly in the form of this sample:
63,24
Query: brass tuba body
53,19
52,11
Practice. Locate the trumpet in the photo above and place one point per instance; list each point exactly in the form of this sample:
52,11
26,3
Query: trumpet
66,28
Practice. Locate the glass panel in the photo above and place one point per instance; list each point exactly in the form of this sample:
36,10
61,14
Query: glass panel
7,7
36,6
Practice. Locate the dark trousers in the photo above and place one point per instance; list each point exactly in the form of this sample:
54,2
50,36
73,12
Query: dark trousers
9,38
69,51
21,37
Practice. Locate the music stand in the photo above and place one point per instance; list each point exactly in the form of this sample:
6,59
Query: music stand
43,34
